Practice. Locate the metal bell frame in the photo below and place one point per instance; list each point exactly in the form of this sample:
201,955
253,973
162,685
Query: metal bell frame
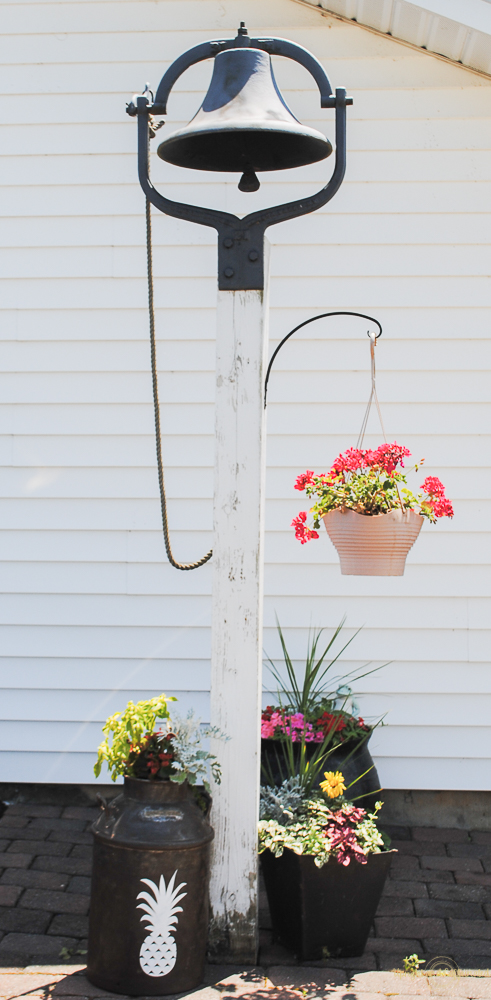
240,241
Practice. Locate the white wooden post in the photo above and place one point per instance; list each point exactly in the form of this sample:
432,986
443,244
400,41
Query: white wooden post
236,659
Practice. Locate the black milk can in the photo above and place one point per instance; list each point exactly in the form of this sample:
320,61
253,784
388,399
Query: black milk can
148,919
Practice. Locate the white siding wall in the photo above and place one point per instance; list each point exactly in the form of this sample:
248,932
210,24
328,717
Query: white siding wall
90,612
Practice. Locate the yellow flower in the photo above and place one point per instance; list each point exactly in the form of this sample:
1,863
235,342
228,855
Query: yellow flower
334,784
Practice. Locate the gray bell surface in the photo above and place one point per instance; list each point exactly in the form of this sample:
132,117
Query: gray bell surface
244,124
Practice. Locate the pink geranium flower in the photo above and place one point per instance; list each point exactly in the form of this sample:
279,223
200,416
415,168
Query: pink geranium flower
303,533
302,480
437,501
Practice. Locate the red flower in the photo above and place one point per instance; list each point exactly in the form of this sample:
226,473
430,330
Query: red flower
329,722
303,533
441,508
348,461
437,501
302,480
389,456
433,486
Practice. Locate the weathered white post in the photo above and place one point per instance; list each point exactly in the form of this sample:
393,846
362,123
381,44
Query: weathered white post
236,658
242,125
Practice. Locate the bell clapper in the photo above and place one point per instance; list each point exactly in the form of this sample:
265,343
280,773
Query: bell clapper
249,181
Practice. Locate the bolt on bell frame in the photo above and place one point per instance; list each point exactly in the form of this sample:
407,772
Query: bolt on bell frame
241,241
243,126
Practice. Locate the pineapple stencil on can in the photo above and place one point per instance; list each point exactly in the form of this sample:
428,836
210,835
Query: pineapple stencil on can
158,952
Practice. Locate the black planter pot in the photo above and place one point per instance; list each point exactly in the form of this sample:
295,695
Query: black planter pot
154,831
323,912
273,758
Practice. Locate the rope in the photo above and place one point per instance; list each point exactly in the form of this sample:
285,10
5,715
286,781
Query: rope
373,396
156,409
374,399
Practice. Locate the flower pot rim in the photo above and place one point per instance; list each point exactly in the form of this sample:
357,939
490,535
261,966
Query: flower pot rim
352,739
130,777
332,858
394,510
152,790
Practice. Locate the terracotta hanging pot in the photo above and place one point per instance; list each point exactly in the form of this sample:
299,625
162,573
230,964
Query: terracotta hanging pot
372,545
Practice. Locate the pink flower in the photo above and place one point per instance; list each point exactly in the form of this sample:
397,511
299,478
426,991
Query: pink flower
348,461
302,480
437,501
267,730
389,456
303,533
299,524
441,507
293,726
433,486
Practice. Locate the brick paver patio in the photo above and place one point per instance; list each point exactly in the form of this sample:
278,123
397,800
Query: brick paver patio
437,902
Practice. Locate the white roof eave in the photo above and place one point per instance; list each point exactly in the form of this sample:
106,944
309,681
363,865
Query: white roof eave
460,30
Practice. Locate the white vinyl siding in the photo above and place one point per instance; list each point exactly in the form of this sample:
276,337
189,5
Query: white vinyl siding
91,614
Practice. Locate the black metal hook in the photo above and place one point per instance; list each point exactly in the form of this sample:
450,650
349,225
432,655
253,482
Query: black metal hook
342,312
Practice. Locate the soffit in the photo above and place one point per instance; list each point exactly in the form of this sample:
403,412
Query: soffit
464,36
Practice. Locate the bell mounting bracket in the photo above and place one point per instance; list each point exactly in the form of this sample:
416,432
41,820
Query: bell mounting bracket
240,241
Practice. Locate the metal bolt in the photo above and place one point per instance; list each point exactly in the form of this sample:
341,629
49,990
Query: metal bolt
228,243
253,255
229,272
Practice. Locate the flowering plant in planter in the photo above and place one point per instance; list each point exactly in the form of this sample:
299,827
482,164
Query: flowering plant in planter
369,482
311,721
316,703
138,750
308,842
323,824
276,724
154,836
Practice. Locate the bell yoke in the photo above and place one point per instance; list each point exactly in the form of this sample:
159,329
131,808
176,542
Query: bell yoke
243,126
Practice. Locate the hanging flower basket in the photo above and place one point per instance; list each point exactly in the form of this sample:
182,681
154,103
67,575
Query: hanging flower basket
373,546
370,515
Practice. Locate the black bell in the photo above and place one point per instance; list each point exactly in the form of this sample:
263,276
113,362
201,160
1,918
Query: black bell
244,124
